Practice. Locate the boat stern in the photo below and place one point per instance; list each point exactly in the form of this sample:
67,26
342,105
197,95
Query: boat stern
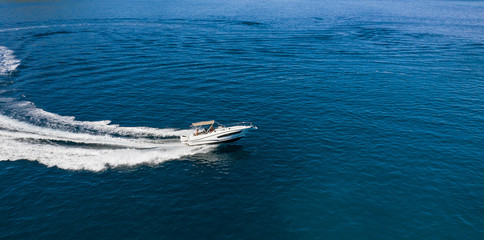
184,139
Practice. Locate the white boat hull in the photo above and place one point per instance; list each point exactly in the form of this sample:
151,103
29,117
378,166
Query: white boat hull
219,135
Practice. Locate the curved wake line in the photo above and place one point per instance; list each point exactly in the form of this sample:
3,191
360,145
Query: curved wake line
66,143
24,141
53,121
8,62
13,129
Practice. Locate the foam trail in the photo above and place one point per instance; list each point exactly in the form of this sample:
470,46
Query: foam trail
8,62
30,112
20,140
73,158
20,130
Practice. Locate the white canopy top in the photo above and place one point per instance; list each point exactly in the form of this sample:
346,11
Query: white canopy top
203,123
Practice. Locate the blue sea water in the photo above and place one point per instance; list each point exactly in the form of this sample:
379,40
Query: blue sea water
370,119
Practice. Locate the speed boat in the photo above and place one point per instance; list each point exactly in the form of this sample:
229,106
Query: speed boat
211,132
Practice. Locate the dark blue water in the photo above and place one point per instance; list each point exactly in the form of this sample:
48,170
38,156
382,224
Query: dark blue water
370,117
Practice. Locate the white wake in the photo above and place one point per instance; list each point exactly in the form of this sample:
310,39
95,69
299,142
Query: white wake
32,113
75,151
37,135
8,62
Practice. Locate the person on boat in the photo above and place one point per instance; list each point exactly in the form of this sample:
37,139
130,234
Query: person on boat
211,128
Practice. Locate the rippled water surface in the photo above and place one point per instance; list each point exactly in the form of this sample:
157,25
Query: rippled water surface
370,119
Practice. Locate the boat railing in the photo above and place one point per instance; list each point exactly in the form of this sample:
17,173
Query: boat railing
238,124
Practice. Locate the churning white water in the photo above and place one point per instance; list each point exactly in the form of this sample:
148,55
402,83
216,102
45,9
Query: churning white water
70,150
8,61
